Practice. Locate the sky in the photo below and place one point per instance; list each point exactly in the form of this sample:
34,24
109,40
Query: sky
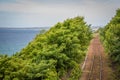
46,13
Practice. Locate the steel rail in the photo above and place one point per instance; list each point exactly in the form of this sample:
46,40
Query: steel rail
91,73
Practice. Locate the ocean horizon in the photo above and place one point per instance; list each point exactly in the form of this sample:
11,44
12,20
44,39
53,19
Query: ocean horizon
12,40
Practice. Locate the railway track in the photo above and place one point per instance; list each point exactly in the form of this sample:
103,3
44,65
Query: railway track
96,69
95,72
95,66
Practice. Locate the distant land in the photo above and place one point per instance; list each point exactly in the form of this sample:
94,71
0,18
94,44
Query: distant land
95,28
24,27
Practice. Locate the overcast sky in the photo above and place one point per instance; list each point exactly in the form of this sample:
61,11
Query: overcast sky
41,13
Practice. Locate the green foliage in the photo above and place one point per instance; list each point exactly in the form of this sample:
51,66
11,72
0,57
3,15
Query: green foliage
51,55
110,36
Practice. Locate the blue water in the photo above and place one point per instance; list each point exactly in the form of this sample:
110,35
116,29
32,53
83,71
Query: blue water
13,40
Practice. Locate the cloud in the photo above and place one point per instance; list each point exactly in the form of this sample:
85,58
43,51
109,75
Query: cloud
30,6
42,12
26,6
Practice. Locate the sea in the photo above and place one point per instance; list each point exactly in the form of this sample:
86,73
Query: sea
12,40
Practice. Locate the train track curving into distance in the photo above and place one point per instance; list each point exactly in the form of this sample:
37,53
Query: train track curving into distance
96,63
